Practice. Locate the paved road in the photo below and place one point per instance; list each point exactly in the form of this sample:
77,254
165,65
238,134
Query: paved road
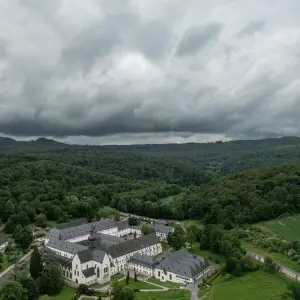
6,272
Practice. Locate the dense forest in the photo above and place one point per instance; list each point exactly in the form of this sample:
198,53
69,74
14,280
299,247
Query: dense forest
223,183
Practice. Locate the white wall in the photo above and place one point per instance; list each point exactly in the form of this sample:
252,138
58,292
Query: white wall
61,253
3,246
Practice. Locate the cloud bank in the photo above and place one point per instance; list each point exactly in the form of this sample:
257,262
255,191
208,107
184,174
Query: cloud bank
165,70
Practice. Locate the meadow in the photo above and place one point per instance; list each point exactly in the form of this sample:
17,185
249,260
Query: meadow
258,285
288,228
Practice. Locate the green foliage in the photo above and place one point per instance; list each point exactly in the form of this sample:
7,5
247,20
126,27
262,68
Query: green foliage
50,281
41,220
145,229
24,237
135,277
133,221
127,278
30,287
12,290
36,264
177,239
126,294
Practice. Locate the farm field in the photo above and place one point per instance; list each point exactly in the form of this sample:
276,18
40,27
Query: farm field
277,257
288,228
170,294
258,285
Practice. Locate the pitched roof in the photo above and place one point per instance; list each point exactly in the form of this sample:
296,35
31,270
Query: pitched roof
132,245
123,225
161,228
88,272
184,263
104,239
91,254
84,229
143,259
66,246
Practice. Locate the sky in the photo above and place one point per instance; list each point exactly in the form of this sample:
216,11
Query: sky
149,71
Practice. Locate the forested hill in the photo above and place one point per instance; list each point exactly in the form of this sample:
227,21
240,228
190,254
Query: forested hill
172,181
218,157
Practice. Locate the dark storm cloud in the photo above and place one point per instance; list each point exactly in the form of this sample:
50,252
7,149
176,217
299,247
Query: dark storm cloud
196,38
166,70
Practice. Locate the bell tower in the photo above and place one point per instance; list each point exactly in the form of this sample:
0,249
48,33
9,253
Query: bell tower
92,238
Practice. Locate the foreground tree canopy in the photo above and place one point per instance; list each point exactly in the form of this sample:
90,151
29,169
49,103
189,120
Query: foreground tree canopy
221,183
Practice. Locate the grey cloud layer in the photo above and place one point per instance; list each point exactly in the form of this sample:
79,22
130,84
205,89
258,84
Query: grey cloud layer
98,68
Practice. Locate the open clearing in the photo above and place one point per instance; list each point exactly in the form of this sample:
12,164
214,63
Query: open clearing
188,223
288,228
258,285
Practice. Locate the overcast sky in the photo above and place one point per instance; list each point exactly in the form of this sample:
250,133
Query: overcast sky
147,71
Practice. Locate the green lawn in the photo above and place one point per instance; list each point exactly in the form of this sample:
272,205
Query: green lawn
99,285
165,246
258,285
142,285
205,253
166,295
188,223
277,257
167,284
288,228
5,263
116,277
65,294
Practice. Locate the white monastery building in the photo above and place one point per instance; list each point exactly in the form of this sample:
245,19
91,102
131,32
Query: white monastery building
92,253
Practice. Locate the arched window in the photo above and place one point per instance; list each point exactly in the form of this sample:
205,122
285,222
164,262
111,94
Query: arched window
98,272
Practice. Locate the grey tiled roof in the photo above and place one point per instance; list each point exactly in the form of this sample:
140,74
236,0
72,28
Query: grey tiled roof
65,246
123,225
91,254
89,272
161,228
53,233
84,229
132,245
104,239
72,223
183,263
143,259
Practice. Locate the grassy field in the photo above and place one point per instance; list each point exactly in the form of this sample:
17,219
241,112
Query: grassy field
170,294
204,253
99,285
288,228
277,257
141,285
66,294
258,285
116,277
167,284
188,223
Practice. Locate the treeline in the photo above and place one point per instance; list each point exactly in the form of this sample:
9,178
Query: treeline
236,199
51,180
